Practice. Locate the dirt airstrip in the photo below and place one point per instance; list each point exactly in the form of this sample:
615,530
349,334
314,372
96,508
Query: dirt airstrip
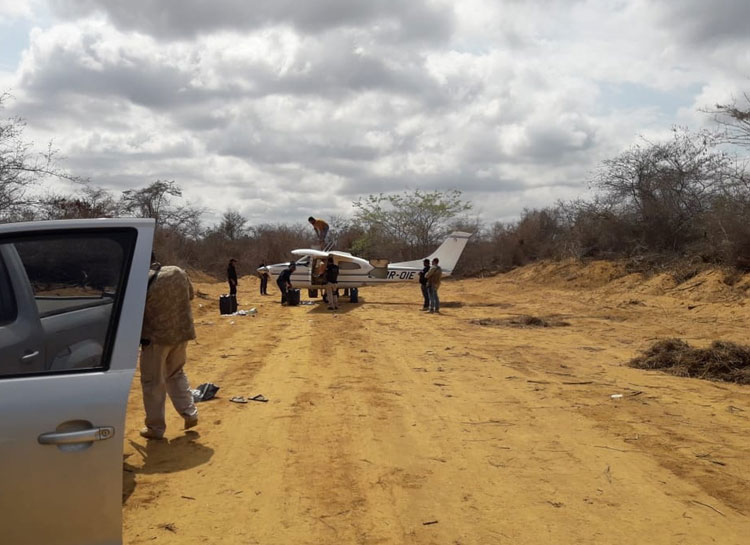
388,425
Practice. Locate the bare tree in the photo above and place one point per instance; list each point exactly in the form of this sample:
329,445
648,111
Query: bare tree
89,202
21,167
233,226
668,185
734,118
157,201
150,201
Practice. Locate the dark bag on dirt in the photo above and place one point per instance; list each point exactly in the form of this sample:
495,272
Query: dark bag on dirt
292,297
228,304
205,391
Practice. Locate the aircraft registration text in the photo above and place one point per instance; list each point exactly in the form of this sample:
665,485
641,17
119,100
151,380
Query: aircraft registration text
402,275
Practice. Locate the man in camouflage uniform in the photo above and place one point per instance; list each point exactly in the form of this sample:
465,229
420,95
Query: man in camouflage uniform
167,328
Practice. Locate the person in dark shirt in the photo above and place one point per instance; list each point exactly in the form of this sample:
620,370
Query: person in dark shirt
263,279
423,285
433,277
331,281
232,277
285,281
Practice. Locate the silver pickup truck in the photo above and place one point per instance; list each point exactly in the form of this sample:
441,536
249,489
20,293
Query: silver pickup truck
71,306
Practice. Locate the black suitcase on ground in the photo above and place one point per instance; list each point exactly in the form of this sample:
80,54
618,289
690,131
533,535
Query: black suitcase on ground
292,297
228,304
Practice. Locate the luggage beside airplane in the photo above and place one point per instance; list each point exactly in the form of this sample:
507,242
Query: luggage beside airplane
292,297
228,304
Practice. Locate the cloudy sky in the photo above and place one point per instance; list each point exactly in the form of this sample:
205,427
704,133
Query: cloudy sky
283,109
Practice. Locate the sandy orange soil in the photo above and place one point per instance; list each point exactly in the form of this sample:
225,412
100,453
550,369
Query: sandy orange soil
388,425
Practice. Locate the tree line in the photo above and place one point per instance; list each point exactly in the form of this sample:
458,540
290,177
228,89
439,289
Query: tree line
687,196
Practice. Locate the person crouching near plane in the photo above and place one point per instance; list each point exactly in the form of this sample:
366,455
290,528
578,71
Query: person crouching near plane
285,281
331,281
167,328
423,285
321,230
433,277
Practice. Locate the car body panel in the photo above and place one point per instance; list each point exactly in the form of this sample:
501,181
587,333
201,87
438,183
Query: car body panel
71,493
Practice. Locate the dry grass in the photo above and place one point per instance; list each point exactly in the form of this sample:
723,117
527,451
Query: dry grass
521,321
722,360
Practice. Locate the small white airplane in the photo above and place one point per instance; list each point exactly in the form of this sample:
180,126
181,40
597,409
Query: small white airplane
355,272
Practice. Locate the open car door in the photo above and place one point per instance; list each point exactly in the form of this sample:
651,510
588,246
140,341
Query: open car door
71,312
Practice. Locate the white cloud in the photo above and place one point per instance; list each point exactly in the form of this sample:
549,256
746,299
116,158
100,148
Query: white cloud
417,19
293,108
15,9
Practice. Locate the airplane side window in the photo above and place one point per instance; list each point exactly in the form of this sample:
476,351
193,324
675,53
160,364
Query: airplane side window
8,309
349,266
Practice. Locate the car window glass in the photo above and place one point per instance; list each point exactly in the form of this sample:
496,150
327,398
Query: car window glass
7,298
66,275
68,289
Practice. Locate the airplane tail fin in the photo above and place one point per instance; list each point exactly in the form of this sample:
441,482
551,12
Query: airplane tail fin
447,253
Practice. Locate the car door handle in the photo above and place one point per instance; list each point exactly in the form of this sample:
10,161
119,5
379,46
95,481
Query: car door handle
81,436
30,356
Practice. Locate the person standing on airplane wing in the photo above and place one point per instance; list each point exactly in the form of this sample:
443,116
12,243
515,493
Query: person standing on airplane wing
321,230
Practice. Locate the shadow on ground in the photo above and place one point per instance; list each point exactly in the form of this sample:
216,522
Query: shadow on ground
164,456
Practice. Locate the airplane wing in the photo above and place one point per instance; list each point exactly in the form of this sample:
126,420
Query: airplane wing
345,256
340,256
311,253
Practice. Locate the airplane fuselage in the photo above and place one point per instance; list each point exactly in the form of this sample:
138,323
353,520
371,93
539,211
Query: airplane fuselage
349,277
355,272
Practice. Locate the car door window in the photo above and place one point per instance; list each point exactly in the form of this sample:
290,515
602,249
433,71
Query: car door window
74,284
8,307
